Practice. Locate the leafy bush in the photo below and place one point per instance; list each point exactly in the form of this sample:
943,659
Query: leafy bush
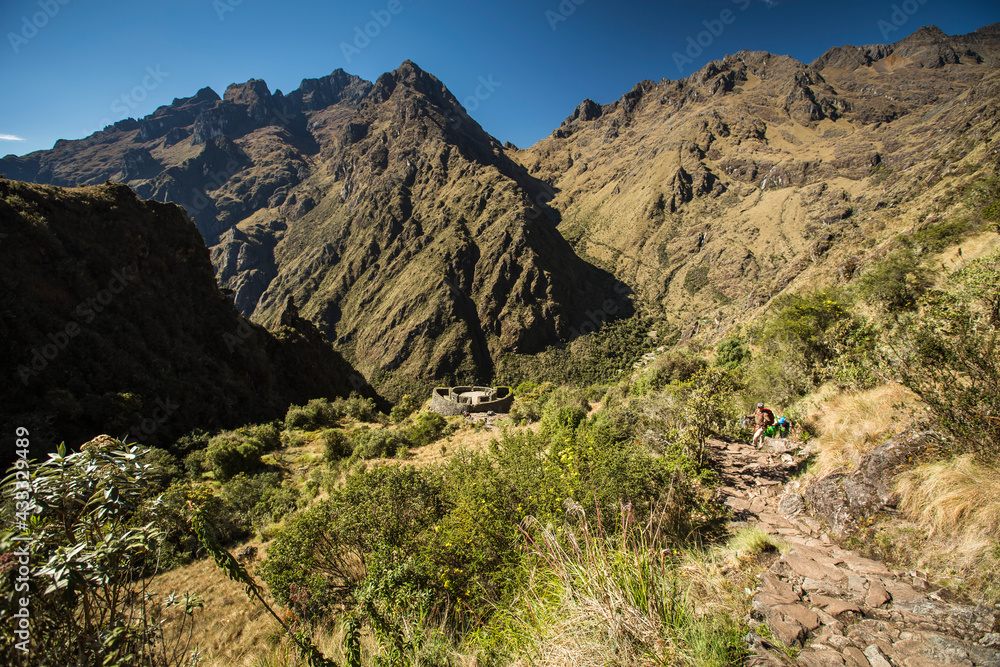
529,399
321,413
91,559
896,282
732,352
359,408
336,444
377,443
950,355
179,544
403,409
163,468
317,413
563,412
254,502
938,236
671,367
799,341
427,427
326,550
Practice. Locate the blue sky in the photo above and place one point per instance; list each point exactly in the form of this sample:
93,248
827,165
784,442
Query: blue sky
69,66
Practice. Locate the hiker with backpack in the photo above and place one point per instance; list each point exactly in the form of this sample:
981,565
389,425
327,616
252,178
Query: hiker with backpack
762,419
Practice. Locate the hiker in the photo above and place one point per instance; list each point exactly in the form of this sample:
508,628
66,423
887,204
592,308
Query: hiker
762,418
783,426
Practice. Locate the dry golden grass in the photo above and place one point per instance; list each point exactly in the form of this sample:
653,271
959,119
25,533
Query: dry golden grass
852,424
229,629
956,499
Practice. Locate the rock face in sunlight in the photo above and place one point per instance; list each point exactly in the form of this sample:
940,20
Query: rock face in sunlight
112,321
418,244
402,229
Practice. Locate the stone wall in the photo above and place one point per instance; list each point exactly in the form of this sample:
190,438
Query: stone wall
447,401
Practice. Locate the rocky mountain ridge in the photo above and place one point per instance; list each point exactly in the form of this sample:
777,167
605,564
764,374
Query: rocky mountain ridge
758,173
421,246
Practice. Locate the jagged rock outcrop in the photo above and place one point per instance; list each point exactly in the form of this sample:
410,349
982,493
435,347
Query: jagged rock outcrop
841,499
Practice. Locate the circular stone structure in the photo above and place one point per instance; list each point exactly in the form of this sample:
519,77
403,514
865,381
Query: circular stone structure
450,401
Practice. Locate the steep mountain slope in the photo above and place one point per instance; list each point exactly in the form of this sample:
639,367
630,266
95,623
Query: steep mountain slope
419,245
112,322
710,194
400,227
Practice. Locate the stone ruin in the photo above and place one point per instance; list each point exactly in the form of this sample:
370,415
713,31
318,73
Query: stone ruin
450,401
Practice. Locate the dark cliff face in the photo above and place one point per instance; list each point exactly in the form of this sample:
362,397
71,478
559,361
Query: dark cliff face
113,323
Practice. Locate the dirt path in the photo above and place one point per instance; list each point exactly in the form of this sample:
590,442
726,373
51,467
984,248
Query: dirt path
842,608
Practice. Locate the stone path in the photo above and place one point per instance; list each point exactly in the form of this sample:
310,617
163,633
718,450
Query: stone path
841,608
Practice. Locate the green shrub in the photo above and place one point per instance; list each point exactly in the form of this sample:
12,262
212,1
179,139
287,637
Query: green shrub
427,427
336,444
938,236
321,413
91,551
358,408
950,355
529,399
732,352
896,282
403,409
163,469
377,443
257,501
667,368
178,544
326,550
563,411
317,413
799,341
196,464
229,454
193,441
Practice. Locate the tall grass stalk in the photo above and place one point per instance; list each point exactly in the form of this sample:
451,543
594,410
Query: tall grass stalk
592,600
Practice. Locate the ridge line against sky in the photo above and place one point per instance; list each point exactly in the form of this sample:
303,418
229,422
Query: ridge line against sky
70,67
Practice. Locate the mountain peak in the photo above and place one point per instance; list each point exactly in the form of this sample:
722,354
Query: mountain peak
247,93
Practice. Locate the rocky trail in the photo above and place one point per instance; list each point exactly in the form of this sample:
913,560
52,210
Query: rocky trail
839,607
